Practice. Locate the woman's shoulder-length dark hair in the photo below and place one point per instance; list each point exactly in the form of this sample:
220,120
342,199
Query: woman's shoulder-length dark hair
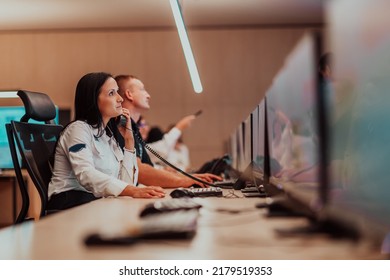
86,99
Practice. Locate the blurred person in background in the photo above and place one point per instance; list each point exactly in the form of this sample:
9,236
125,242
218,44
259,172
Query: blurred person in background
170,145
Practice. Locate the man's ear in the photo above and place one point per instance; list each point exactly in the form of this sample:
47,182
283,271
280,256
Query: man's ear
129,95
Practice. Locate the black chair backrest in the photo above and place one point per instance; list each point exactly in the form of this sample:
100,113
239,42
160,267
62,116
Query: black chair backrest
19,176
38,106
36,144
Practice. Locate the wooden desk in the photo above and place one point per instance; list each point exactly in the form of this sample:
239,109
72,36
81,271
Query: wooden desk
9,180
8,177
220,235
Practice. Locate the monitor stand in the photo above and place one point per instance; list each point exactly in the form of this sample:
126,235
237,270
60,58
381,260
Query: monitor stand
252,190
249,184
280,206
244,178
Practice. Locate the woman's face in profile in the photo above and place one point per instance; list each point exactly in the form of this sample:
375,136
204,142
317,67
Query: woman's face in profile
109,101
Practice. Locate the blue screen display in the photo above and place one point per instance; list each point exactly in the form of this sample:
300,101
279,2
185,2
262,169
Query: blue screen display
8,114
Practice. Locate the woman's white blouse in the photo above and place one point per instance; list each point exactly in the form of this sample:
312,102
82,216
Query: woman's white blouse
93,164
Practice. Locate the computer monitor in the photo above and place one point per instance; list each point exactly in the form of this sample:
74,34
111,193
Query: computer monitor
255,134
233,149
239,152
247,149
360,117
237,148
240,147
247,141
258,142
293,127
7,114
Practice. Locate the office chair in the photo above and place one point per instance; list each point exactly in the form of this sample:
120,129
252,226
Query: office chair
36,145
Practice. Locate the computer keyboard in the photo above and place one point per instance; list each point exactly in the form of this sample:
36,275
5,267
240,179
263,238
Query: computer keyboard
167,205
202,192
168,225
225,183
196,192
253,192
250,189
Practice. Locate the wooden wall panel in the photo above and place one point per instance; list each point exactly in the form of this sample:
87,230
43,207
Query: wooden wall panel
236,67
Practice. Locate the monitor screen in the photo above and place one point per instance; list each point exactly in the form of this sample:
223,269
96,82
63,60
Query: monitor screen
258,136
258,145
8,114
359,114
233,149
240,147
247,134
292,122
237,148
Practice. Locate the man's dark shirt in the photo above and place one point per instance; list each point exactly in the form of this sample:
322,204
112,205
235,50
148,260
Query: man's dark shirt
139,146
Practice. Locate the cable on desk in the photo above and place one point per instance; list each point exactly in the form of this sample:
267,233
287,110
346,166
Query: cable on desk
232,194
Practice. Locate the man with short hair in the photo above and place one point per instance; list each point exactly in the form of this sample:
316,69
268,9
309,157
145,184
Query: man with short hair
136,100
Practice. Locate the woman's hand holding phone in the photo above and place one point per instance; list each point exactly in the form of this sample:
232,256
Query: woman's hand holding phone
125,129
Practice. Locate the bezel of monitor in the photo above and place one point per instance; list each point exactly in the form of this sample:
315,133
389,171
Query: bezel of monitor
233,149
240,147
307,196
358,197
247,141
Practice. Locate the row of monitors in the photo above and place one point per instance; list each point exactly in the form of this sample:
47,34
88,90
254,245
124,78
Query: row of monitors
290,113
15,113
326,145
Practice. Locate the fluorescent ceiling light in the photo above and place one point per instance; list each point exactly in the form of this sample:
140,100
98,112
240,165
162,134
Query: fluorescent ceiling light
8,94
185,43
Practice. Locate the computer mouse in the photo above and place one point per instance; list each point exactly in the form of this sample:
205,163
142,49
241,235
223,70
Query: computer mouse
180,192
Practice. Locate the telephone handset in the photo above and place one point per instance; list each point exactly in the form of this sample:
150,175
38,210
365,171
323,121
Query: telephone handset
122,120
170,164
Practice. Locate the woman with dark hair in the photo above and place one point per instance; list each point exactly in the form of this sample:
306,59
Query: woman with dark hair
89,163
